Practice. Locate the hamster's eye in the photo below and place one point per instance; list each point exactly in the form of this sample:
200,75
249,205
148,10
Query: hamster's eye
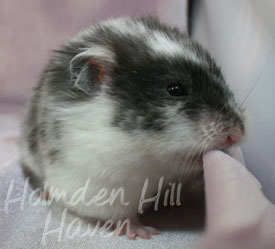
176,90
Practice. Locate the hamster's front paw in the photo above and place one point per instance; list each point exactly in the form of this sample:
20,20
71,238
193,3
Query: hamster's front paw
136,229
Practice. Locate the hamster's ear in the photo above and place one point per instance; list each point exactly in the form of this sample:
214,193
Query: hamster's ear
91,68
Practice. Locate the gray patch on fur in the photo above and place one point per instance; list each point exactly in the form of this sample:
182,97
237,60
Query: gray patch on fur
53,155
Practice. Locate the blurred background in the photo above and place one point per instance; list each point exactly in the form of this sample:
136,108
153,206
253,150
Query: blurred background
239,35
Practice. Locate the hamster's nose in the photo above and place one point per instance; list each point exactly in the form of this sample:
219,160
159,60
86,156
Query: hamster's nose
235,135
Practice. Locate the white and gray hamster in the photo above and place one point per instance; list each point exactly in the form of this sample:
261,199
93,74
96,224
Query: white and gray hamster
123,101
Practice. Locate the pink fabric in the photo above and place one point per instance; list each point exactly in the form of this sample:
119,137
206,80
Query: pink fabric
238,214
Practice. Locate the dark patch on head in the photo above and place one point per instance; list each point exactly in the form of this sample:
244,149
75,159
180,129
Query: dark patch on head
140,79
140,88
207,91
58,75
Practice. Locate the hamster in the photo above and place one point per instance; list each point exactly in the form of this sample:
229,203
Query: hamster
123,101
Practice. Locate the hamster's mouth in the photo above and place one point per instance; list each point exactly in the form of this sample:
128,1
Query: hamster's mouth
196,158
222,144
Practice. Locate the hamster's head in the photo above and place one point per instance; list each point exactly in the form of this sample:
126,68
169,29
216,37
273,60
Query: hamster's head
165,88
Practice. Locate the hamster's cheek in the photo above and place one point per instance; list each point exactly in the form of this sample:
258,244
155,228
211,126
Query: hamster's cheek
182,134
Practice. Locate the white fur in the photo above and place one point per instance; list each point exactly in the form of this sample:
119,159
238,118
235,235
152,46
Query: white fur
159,42
164,45
107,156
126,26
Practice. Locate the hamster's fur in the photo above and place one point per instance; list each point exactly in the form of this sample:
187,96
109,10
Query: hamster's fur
101,113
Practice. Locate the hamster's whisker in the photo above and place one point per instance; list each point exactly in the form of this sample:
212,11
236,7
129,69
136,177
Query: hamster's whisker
257,81
191,161
184,168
